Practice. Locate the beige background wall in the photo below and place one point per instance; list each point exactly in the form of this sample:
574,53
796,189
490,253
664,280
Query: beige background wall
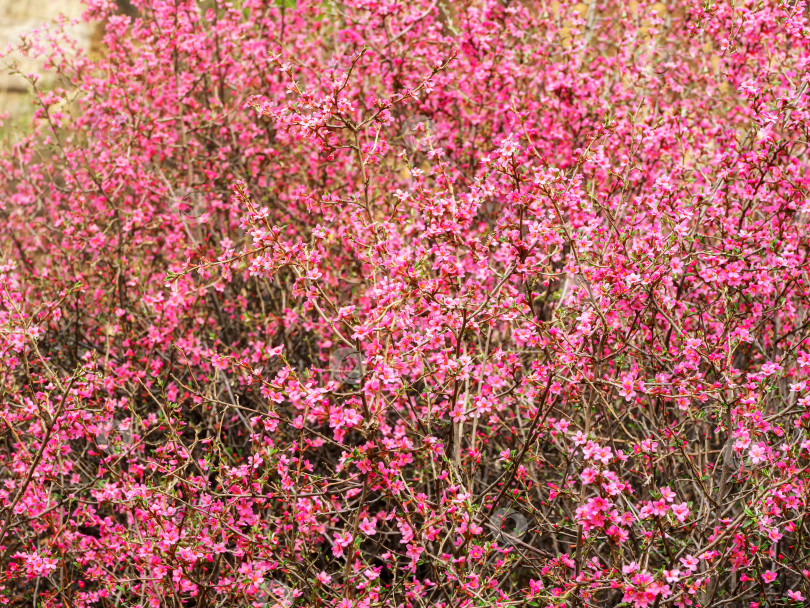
18,17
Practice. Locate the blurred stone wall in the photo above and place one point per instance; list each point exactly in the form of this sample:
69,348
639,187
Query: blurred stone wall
19,17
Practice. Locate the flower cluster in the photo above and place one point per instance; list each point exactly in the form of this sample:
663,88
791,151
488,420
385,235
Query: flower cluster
375,303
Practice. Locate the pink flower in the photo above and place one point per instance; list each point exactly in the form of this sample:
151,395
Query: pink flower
757,453
749,89
414,551
368,526
626,390
580,438
324,578
630,568
771,368
344,539
681,511
659,508
457,413
618,534
588,476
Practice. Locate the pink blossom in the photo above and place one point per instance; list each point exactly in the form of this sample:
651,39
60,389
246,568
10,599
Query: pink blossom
758,453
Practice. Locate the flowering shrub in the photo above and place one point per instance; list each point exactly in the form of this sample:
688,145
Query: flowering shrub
386,303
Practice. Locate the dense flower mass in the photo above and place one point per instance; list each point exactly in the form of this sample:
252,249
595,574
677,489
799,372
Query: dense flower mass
383,303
